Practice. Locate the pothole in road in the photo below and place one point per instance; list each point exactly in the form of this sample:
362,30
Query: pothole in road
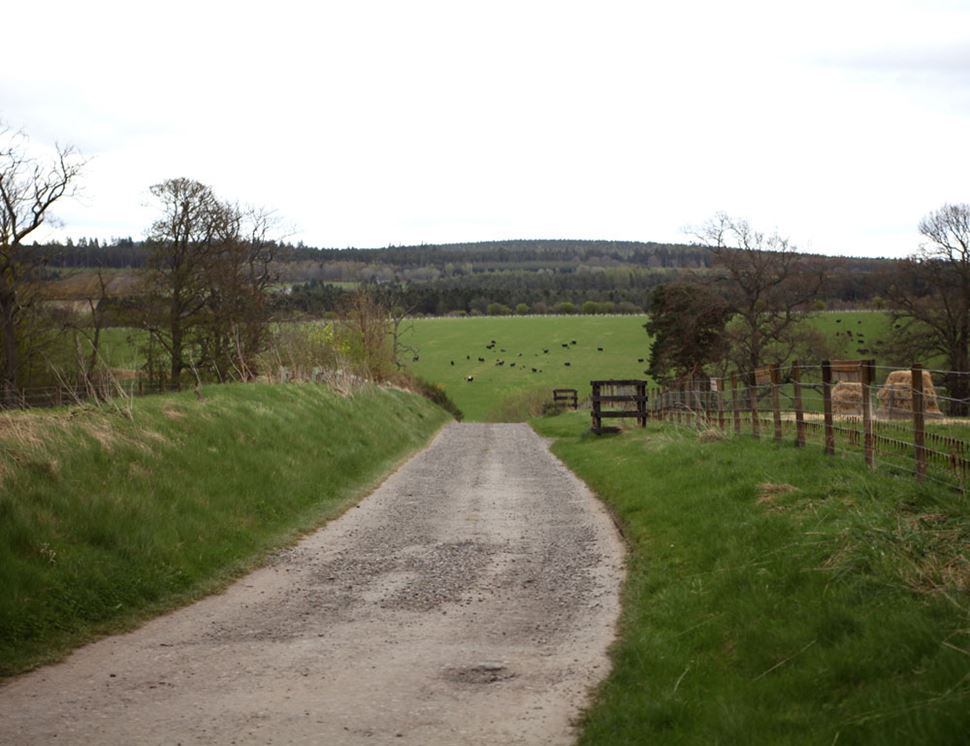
482,673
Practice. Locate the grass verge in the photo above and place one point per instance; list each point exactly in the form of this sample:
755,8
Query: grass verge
107,519
775,595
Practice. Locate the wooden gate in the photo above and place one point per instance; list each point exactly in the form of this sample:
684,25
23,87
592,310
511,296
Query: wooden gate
618,399
565,398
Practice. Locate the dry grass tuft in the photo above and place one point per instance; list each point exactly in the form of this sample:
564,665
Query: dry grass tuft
137,471
710,435
154,437
25,430
768,492
173,413
102,431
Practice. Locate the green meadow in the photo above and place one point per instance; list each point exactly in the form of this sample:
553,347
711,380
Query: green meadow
775,595
856,334
449,350
540,353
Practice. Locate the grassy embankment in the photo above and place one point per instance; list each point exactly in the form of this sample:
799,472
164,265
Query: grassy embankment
775,595
107,519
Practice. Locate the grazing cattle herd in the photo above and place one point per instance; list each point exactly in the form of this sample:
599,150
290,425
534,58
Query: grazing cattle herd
500,361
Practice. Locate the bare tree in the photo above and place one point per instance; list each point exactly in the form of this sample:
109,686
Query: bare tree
88,352
29,187
930,295
767,284
184,243
393,298
364,331
239,280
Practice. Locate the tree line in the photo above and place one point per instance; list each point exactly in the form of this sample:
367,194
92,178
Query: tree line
733,298
750,311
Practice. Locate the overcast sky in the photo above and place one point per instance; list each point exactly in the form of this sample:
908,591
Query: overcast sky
840,124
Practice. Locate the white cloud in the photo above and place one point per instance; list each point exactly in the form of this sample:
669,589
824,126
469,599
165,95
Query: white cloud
370,123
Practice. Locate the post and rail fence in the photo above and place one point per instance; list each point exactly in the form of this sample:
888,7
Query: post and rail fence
618,399
838,404
565,398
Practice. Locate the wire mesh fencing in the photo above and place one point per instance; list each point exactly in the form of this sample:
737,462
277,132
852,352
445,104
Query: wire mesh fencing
898,419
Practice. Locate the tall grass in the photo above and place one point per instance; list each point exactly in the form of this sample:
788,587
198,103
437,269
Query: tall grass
777,596
108,516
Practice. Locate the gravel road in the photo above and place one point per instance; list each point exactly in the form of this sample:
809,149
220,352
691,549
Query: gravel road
469,600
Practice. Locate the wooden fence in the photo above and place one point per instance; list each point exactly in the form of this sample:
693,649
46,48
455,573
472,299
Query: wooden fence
565,398
839,404
629,395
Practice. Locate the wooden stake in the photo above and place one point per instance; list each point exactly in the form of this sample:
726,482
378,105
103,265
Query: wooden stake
796,376
735,404
919,431
867,371
776,400
827,407
753,390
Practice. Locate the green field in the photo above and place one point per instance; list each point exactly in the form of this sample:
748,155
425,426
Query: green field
869,330
623,339
441,341
775,595
520,341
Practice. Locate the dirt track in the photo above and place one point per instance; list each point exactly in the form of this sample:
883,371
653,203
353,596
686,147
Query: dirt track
470,599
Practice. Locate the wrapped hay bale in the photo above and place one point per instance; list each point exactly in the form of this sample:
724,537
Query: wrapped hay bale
896,395
847,398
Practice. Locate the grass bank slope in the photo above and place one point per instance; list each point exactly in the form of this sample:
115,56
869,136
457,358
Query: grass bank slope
522,341
106,519
775,596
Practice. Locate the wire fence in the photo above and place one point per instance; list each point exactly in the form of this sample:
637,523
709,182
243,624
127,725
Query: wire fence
902,420
44,397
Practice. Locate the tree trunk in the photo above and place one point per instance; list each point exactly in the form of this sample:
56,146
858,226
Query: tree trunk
8,320
177,365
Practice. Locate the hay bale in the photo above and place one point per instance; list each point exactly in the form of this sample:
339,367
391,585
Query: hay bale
896,395
847,398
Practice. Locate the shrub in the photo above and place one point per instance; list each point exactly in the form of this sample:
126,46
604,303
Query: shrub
435,393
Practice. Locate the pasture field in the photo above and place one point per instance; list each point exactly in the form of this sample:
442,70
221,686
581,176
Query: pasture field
856,334
120,347
522,341
624,341
439,341
775,595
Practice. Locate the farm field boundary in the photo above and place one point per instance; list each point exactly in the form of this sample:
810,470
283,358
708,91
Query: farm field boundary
895,419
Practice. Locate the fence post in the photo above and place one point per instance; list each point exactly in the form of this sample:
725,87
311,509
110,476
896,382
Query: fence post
597,420
753,396
867,371
796,377
735,404
642,404
919,433
720,403
683,416
827,407
776,400
700,406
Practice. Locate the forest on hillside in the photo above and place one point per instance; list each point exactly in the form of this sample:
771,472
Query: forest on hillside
498,277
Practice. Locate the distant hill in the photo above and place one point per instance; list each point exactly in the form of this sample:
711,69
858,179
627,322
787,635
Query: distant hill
470,277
